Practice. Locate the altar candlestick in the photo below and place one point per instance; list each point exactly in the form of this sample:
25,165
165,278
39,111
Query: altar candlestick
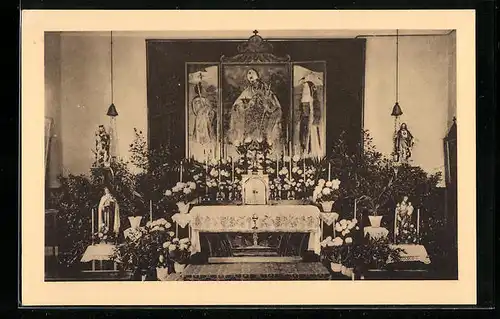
418,222
304,170
180,174
92,226
220,170
395,224
329,171
150,210
354,213
232,170
277,164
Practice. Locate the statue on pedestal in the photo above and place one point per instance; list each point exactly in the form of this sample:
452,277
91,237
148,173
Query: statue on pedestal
108,217
403,144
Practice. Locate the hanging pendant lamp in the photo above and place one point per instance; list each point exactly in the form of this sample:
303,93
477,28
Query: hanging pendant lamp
112,112
396,110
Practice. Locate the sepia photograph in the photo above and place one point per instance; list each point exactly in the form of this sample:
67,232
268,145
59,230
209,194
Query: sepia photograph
252,155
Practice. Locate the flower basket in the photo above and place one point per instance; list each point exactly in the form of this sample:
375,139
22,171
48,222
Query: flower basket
179,268
327,206
161,273
375,221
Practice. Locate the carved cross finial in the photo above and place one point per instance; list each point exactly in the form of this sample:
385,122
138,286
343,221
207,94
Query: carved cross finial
255,32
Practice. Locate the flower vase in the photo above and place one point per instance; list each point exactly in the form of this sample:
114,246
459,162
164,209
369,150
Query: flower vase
327,206
375,221
336,267
179,268
183,207
135,221
161,273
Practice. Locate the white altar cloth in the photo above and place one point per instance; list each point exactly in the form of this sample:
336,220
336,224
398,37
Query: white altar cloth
256,218
98,252
413,253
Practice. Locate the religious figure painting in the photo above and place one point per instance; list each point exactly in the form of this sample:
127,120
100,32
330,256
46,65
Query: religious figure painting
309,109
202,110
255,104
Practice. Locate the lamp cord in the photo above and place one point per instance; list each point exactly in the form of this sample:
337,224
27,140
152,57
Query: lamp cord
111,59
397,65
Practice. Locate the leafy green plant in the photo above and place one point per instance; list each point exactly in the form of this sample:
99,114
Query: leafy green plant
375,254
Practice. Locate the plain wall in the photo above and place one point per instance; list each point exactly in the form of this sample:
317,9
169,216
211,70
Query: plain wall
425,64
426,92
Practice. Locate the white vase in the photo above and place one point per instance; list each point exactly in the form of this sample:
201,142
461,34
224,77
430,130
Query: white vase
183,207
179,268
327,206
375,220
161,273
336,267
135,221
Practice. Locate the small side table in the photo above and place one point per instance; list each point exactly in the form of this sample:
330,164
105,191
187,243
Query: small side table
376,232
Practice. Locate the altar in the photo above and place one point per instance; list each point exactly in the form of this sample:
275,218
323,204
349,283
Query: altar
254,220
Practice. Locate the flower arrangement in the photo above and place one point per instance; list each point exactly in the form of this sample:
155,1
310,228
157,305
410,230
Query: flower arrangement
375,253
142,246
103,235
178,250
338,250
326,191
183,192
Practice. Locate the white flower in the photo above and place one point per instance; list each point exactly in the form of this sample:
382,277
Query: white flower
166,244
328,184
343,222
192,185
183,247
187,190
321,182
326,191
357,228
338,227
196,177
296,158
343,233
270,170
184,240
175,189
248,140
172,247
295,169
299,172
180,184
348,240
168,192
338,241
286,158
335,184
171,233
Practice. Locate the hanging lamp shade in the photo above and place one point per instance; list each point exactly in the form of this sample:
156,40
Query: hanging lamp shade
112,110
396,110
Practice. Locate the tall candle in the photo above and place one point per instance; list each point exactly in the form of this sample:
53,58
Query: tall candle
354,213
304,170
92,233
180,177
395,224
329,171
232,170
150,210
277,164
418,221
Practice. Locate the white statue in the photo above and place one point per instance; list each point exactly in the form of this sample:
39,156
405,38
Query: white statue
108,213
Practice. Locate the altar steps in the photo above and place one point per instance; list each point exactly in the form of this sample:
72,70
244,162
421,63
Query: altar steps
258,271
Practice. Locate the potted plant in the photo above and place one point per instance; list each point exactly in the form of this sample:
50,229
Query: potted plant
179,251
326,193
331,250
375,253
183,193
